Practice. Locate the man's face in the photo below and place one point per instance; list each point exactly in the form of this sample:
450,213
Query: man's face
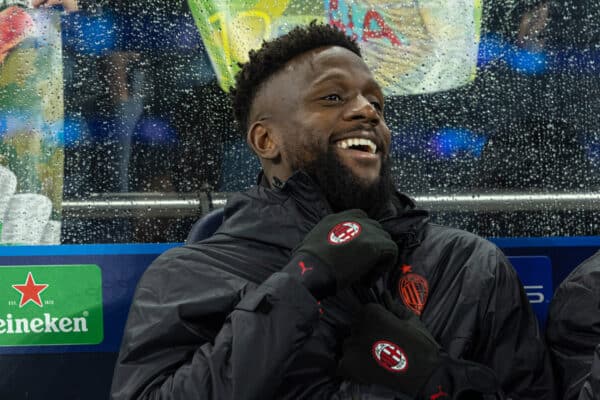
327,101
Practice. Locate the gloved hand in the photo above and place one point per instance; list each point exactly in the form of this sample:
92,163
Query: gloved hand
394,349
341,249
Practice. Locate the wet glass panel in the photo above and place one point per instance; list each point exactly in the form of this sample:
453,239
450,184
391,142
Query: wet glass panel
128,133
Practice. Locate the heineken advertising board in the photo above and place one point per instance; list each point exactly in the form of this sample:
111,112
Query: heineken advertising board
95,282
50,305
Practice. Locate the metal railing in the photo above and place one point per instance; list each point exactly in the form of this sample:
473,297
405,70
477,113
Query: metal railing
147,205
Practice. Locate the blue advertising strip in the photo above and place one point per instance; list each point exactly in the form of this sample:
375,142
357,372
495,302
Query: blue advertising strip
87,249
565,253
547,242
535,273
540,262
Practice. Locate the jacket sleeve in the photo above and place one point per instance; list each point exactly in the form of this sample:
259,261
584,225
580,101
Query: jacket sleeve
591,387
574,327
199,333
511,343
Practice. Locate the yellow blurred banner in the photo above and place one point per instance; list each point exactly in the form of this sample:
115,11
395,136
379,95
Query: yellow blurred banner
411,46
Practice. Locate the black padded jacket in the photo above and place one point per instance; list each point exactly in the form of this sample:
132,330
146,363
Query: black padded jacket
218,320
573,329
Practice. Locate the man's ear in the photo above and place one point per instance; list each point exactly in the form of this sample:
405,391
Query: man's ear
262,140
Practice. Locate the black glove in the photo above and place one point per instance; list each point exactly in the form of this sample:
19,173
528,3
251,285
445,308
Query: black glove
397,351
341,249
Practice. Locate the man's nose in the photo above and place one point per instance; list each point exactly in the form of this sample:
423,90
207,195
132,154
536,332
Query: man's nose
362,109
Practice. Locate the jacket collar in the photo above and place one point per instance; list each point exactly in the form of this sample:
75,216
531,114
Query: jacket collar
302,188
283,213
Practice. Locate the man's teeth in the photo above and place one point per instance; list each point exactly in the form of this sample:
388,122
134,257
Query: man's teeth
356,142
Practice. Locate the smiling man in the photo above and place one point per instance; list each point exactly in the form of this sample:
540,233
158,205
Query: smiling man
327,120
323,282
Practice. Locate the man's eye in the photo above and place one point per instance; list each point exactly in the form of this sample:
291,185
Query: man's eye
332,97
376,105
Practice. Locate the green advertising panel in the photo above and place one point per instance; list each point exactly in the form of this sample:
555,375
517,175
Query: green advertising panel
412,47
50,305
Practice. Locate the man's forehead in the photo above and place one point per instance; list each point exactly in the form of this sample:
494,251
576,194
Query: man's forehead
319,60
304,71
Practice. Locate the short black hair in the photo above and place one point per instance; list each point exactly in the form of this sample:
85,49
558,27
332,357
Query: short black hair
274,54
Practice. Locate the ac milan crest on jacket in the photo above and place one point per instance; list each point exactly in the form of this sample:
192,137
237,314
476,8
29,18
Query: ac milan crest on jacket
218,320
413,289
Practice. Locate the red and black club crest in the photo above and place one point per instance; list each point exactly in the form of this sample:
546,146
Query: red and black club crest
413,290
390,356
344,232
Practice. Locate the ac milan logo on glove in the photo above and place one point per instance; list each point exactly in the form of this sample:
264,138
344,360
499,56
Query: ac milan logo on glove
344,232
389,356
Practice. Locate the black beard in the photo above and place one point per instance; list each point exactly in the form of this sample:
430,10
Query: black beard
345,191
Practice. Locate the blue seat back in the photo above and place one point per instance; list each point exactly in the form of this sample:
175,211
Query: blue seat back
206,226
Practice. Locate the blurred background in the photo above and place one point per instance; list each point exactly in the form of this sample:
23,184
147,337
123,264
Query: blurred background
146,143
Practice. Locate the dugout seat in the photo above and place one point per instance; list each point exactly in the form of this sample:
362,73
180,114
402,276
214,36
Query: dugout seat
206,226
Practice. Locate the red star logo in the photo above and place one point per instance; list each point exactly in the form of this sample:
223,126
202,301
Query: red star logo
30,291
406,268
